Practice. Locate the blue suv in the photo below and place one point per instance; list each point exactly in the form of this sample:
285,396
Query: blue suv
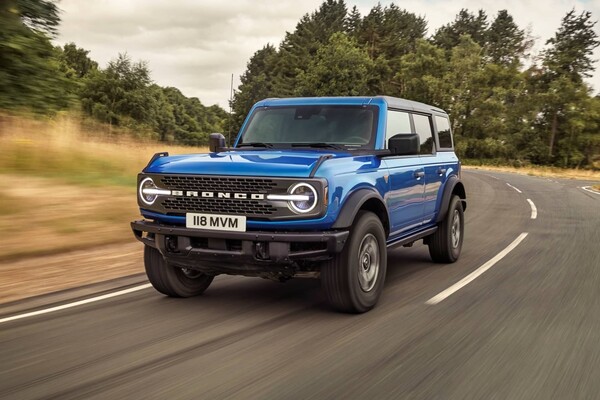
312,187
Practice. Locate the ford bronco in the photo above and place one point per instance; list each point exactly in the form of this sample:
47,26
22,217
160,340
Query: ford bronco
312,187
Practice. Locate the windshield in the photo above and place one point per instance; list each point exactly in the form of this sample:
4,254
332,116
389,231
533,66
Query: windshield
344,127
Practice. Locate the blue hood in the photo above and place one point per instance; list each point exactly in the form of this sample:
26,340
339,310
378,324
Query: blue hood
278,163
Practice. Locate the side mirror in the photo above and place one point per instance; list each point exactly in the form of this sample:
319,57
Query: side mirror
404,144
216,142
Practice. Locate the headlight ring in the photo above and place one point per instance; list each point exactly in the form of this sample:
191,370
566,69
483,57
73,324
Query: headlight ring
149,192
309,198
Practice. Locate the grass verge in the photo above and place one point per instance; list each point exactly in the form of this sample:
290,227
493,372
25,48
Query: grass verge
550,172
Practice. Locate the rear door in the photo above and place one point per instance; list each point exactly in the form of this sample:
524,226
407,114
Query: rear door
434,169
445,166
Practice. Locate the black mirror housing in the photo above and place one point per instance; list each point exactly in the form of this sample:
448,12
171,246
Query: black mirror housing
404,144
216,142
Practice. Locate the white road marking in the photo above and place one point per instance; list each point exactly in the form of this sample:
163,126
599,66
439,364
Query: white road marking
513,187
473,275
533,209
76,303
589,189
492,176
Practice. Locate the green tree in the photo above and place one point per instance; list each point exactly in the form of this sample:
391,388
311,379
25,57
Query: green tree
464,70
465,23
256,83
353,22
506,44
75,61
186,120
120,94
566,62
571,48
388,34
298,47
39,15
29,68
421,74
339,68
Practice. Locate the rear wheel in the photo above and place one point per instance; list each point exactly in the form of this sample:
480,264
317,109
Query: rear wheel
353,280
445,244
171,280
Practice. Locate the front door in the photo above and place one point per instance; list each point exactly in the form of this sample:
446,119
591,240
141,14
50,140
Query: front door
406,180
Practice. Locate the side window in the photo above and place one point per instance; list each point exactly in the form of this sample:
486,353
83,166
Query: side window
444,135
397,122
423,128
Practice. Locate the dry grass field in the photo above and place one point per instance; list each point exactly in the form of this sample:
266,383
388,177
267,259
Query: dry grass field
66,186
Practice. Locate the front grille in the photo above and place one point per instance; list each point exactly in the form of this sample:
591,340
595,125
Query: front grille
218,183
230,195
219,206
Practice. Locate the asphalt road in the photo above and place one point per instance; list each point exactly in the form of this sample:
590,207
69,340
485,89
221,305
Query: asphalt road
527,328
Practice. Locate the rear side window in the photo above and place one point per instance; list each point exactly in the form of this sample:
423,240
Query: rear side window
444,135
423,129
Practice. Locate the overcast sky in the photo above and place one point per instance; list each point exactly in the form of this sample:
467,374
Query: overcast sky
195,45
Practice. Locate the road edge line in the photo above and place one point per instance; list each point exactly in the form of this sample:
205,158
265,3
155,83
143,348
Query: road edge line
473,275
76,303
589,189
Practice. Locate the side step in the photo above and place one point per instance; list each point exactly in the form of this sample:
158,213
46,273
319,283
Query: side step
412,238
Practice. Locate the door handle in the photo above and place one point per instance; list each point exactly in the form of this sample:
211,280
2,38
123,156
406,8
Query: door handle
419,174
441,171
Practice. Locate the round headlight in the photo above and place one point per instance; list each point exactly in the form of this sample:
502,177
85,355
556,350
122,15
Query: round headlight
148,191
308,195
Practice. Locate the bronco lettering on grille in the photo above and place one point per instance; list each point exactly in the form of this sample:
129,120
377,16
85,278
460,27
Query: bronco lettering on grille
219,195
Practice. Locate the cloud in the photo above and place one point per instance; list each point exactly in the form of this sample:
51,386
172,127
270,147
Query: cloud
195,45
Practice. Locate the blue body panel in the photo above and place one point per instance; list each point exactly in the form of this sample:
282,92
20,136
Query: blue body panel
277,163
412,201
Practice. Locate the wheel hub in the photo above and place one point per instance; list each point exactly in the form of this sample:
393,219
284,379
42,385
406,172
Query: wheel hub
368,256
455,232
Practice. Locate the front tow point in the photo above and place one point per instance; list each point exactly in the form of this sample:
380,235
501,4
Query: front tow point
261,251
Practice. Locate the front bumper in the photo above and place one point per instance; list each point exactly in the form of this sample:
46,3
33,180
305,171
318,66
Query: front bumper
253,253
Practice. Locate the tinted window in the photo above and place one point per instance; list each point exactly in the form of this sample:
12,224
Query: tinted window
443,128
397,122
352,126
423,128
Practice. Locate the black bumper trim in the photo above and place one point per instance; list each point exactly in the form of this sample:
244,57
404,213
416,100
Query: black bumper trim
329,243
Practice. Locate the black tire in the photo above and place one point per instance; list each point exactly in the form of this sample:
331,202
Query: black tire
445,244
348,286
171,280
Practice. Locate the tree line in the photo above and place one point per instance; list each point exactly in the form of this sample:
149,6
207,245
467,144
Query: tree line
506,104
39,77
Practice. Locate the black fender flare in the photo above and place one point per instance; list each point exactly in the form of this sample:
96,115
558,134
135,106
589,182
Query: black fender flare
453,186
355,202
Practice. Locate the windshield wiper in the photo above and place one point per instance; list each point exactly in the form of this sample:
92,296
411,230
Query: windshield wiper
318,145
255,144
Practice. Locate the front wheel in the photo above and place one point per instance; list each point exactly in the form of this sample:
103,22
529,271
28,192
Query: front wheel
353,280
171,280
445,244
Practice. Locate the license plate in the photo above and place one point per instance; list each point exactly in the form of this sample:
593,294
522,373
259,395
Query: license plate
216,222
